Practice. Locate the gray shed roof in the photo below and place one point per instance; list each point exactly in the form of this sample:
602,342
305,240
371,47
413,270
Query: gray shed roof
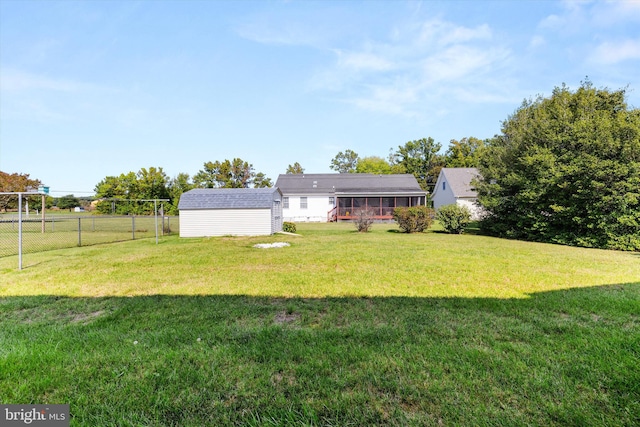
348,183
459,180
229,198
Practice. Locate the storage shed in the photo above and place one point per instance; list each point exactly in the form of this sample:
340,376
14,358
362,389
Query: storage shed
230,211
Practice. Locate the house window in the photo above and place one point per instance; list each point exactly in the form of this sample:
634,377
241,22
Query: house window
285,202
303,203
444,185
332,201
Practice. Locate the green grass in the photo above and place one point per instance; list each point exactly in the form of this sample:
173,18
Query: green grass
62,231
340,328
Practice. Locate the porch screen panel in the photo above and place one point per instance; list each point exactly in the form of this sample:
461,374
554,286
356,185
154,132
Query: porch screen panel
402,201
373,203
417,201
345,206
388,204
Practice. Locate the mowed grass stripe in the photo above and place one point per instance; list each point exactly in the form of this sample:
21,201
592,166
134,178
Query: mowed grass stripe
340,262
337,329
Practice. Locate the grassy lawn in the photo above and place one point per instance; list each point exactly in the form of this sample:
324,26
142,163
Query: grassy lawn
339,328
61,231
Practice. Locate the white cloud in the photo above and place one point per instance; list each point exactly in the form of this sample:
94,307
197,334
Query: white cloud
388,99
615,52
537,41
613,13
14,81
363,61
399,74
458,62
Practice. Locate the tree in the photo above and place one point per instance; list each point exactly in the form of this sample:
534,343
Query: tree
464,153
14,182
345,162
566,169
151,183
373,164
295,169
261,181
181,183
421,159
67,202
226,174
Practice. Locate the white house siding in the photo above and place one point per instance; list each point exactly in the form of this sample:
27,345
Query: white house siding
472,206
224,222
317,209
442,196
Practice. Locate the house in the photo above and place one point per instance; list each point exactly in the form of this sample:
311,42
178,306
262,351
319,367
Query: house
337,196
454,187
230,211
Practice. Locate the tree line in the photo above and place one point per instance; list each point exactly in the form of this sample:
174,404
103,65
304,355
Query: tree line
564,169
420,158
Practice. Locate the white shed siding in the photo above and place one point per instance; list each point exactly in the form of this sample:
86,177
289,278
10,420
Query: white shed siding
223,222
318,207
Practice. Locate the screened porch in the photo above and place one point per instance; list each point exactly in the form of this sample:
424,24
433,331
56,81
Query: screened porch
347,207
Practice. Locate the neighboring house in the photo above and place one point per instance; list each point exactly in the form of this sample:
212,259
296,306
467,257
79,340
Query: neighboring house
230,211
454,187
337,196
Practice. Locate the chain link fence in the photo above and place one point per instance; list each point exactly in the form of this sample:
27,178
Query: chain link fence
57,230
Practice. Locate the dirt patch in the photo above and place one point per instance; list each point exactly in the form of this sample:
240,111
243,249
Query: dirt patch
284,317
86,317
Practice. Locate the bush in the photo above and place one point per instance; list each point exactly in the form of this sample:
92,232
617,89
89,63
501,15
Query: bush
289,227
363,219
454,218
414,219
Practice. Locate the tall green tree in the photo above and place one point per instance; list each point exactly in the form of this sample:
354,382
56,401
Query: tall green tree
179,184
345,162
67,202
227,174
262,181
464,153
421,159
153,183
566,169
373,164
296,168
130,188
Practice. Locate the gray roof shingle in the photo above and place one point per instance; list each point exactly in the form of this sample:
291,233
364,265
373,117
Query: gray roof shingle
459,180
348,183
228,198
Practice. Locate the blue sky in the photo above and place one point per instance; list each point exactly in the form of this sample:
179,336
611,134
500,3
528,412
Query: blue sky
96,88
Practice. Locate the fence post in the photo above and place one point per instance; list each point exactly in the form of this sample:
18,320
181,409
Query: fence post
19,231
42,209
133,227
79,233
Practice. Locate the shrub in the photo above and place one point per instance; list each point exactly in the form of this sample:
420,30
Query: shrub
454,218
289,227
363,219
414,219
